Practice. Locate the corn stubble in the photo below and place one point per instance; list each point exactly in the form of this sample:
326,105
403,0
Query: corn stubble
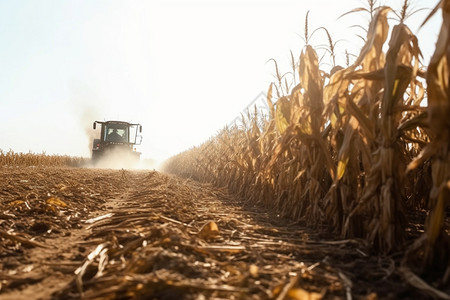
355,151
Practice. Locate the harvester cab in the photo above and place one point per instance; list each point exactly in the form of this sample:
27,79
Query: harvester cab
117,141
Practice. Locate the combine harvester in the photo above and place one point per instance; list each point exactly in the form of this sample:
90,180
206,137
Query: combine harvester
116,146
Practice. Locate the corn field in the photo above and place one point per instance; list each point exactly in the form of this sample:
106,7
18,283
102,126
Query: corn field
355,152
13,159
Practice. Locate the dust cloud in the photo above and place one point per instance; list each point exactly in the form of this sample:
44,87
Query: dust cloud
122,158
118,158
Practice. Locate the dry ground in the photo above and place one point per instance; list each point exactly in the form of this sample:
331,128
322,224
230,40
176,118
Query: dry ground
71,233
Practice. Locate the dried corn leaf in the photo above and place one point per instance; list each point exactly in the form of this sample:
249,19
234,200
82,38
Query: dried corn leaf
301,294
16,203
342,165
283,114
56,202
209,231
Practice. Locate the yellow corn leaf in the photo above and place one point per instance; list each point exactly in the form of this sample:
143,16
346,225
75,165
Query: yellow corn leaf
56,202
283,114
342,165
209,230
333,120
16,203
305,128
301,294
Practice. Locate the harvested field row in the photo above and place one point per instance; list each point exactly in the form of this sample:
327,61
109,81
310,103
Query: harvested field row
141,235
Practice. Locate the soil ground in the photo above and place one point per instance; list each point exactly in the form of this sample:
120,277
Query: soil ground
71,233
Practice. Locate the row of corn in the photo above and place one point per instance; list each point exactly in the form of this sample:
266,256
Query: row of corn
355,151
12,158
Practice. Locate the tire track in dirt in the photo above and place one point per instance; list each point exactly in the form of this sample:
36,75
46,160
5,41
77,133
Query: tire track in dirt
178,239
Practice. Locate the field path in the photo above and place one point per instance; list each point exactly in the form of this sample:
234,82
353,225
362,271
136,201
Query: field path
147,235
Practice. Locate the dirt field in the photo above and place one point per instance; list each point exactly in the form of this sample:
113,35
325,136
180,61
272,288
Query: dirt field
70,233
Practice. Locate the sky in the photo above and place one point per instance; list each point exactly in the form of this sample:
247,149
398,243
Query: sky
184,69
